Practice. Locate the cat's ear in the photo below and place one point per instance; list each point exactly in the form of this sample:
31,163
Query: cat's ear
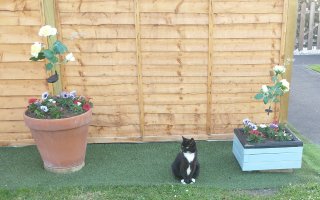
192,139
183,138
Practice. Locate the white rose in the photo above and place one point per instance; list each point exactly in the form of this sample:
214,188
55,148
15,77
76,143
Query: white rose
279,69
265,89
35,49
47,30
285,85
263,126
70,57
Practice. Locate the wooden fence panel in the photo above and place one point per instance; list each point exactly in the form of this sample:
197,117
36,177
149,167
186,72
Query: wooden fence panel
155,70
309,29
102,36
19,78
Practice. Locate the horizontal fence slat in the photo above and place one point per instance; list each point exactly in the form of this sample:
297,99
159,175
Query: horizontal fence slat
25,87
19,101
101,71
116,89
21,18
22,70
114,132
96,6
21,5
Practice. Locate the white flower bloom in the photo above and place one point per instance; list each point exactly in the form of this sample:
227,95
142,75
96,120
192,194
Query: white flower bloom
263,126
70,57
52,101
79,103
285,85
44,108
44,95
35,49
265,89
279,69
47,30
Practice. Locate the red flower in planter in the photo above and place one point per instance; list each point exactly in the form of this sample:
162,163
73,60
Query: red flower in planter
256,132
32,100
77,102
86,107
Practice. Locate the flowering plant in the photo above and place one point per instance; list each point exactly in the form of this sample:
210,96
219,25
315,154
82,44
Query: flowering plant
269,94
53,54
273,131
61,106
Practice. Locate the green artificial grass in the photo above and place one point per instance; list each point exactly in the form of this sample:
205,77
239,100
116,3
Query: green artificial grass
310,151
140,165
315,67
296,192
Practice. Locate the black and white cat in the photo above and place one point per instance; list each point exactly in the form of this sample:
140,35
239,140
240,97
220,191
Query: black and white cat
186,166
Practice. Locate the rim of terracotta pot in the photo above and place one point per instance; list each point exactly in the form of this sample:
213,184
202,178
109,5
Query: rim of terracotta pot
58,124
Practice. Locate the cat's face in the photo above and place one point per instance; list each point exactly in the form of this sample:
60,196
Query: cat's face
188,145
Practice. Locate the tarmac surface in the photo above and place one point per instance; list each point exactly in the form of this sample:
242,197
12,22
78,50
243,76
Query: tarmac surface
304,100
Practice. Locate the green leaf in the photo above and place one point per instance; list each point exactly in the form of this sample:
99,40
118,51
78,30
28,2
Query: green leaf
59,48
274,78
265,100
48,53
40,57
276,100
53,59
278,85
33,58
259,96
49,66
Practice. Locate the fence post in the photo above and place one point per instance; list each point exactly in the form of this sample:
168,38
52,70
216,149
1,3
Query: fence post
209,71
318,35
302,24
139,66
311,23
48,12
288,54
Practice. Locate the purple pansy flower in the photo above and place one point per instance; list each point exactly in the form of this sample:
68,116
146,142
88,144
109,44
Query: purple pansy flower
246,121
64,95
73,94
44,95
274,126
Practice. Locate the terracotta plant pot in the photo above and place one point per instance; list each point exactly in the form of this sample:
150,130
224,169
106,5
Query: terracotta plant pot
61,142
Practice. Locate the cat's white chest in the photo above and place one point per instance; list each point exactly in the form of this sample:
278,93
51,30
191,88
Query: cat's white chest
189,156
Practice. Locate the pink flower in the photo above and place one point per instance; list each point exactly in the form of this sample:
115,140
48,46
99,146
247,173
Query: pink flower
86,107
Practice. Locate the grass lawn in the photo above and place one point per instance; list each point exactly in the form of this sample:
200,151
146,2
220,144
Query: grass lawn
142,171
315,67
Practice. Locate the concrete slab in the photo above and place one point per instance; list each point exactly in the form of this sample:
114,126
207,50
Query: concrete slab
304,102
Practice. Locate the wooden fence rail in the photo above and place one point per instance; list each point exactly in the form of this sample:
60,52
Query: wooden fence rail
308,30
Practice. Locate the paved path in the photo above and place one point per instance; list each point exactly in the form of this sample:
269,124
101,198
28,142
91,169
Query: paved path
304,103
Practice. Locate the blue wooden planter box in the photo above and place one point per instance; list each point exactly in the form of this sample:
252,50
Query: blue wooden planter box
271,155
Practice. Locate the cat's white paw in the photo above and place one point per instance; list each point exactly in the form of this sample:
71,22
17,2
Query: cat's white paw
182,181
193,180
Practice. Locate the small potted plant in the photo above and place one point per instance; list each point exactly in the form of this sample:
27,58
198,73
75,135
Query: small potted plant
268,146
58,123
